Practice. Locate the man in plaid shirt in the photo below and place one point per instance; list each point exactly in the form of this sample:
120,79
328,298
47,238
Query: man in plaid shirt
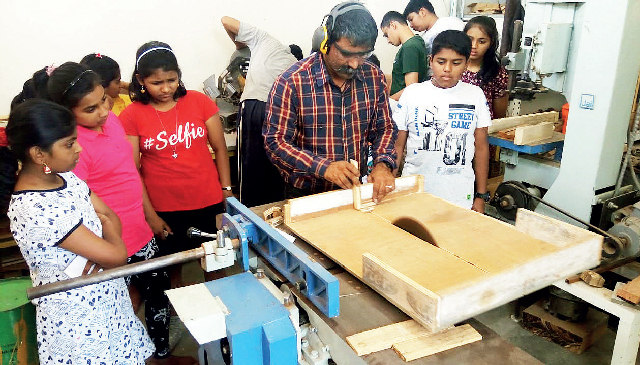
331,108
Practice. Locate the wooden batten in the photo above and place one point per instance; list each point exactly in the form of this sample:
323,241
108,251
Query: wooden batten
306,207
510,122
533,133
552,230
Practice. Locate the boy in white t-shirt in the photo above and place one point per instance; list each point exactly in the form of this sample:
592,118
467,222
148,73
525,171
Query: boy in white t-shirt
443,123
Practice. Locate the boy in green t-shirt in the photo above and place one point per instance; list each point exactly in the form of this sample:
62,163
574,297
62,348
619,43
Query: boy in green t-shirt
410,65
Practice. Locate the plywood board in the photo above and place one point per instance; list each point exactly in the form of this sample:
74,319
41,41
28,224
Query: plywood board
437,342
510,122
631,291
384,337
479,264
533,133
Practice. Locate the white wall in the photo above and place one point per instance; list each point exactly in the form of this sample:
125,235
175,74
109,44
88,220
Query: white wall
37,33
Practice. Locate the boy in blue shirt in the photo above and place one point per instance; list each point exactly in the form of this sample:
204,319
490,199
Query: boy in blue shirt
443,123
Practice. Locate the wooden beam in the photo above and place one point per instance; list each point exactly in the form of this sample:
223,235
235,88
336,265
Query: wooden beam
533,133
437,342
631,291
510,122
383,338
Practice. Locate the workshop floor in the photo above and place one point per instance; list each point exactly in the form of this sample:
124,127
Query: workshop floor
498,320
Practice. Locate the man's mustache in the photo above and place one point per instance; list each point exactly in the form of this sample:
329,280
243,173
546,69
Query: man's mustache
347,71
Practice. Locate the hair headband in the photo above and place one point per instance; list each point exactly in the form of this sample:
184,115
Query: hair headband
75,81
149,50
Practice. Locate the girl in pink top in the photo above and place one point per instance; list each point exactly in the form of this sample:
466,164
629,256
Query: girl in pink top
107,166
171,130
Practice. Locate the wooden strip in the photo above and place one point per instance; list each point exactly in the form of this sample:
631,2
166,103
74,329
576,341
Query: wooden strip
437,342
550,230
383,338
510,122
631,291
533,133
287,214
357,202
305,207
413,299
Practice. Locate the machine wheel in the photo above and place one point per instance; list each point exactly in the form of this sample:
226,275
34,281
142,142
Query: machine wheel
508,199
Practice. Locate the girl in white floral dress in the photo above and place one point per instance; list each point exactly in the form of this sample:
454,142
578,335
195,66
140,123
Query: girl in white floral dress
54,219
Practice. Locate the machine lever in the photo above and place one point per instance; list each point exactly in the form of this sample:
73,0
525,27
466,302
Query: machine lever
194,232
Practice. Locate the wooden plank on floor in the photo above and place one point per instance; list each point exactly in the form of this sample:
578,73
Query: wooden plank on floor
510,122
533,133
383,338
437,342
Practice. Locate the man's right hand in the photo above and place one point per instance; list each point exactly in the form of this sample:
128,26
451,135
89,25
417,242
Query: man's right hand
343,174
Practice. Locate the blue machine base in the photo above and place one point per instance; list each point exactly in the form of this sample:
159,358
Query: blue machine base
531,150
258,326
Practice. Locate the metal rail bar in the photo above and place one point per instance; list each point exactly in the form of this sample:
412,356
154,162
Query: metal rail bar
117,272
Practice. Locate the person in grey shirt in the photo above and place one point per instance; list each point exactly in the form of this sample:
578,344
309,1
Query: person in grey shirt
260,181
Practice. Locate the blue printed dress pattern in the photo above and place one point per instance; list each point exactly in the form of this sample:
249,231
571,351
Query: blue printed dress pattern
94,324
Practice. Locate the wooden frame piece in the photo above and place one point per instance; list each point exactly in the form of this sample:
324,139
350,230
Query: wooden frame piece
510,122
533,133
300,208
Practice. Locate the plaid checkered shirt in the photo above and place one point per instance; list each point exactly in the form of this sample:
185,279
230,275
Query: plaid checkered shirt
310,122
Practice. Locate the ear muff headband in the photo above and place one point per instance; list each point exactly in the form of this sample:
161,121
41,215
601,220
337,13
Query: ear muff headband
324,47
321,35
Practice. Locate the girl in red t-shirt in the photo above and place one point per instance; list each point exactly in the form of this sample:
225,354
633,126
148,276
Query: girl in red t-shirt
171,130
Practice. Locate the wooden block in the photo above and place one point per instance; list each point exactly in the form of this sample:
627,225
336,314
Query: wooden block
383,338
533,133
592,278
437,342
631,291
510,122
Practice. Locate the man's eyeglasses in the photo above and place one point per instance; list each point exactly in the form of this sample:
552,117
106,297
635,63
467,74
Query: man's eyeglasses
348,54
